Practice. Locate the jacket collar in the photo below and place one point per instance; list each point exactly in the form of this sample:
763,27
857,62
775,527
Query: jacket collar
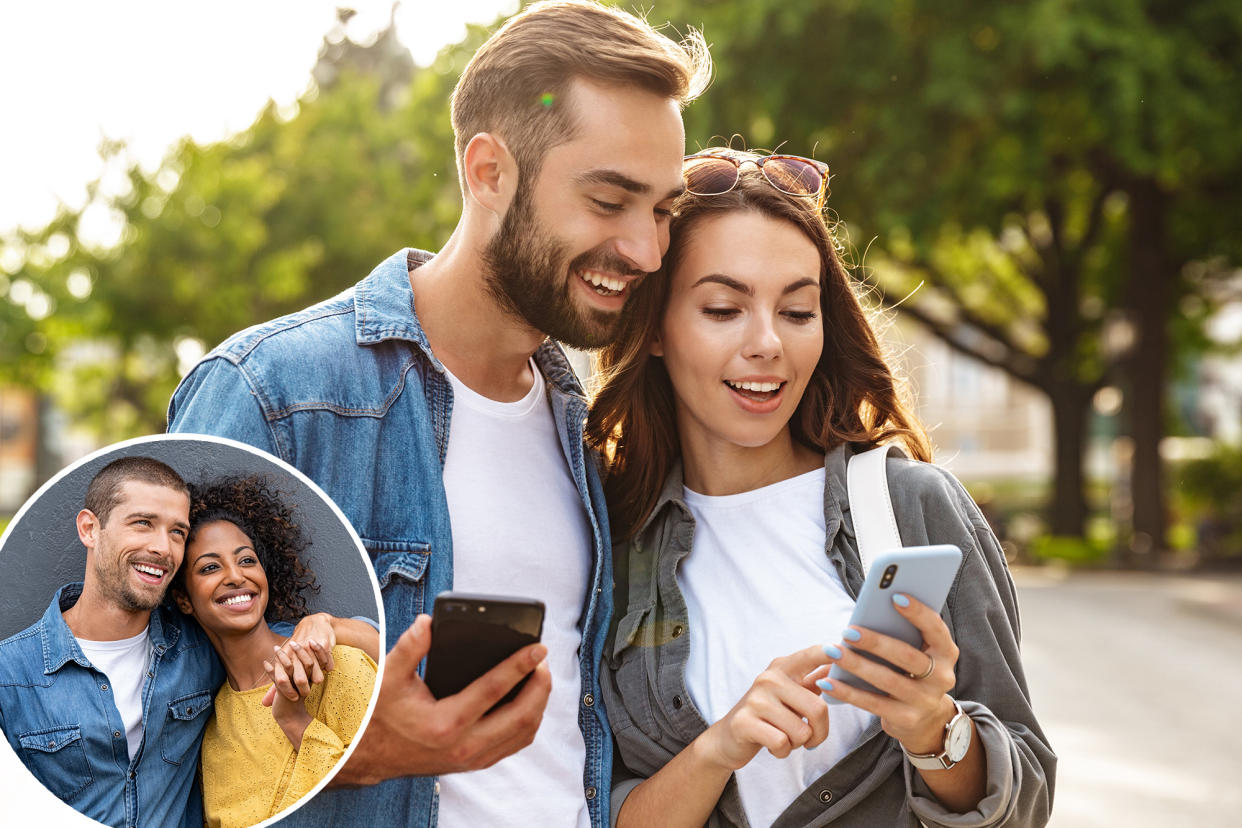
384,309
59,644
836,495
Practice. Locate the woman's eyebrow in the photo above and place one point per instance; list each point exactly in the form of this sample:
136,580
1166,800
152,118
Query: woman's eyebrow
727,281
800,284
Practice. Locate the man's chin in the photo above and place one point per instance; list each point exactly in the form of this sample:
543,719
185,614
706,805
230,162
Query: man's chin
142,603
590,332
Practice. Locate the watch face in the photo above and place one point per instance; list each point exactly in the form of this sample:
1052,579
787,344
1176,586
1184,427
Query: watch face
958,741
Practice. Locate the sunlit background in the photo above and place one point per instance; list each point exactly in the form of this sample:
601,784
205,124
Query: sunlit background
1043,199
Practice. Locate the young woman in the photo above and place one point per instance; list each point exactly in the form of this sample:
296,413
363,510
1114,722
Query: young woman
744,379
286,714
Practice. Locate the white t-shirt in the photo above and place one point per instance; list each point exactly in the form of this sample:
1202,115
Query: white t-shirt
520,528
125,663
759,586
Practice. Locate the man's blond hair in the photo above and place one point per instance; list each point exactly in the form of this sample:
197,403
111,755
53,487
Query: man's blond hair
516,84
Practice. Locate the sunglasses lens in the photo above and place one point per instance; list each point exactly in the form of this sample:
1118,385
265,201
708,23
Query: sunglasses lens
709,176
793,176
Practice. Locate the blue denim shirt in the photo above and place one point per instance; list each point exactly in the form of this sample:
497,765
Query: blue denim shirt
349,392
59,715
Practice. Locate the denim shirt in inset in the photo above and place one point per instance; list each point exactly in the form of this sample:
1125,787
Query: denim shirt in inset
60,717
349,392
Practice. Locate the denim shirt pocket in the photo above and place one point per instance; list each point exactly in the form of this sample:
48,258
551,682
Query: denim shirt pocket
632,662
187,717
56,757
401,569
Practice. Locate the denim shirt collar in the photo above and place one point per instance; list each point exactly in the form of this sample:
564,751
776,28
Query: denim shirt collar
59,644
384,309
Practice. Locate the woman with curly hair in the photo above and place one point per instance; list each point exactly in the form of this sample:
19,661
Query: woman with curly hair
243,579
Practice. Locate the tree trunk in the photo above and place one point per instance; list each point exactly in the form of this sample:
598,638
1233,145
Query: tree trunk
1151,294
1068,505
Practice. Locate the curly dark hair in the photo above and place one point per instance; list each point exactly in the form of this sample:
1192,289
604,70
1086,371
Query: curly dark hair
254,506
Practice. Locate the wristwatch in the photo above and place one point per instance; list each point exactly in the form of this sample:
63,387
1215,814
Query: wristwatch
956,743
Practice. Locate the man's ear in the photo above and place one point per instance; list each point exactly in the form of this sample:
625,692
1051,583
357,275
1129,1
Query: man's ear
490,172
182,601
88,528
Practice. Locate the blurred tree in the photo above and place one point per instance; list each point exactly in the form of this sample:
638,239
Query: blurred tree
296,208
1060,175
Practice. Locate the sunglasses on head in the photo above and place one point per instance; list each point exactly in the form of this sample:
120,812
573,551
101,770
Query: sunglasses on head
715,172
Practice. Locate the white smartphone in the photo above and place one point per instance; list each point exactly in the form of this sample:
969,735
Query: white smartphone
922,572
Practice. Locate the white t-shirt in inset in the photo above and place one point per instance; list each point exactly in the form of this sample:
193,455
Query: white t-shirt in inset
520,528
125,663
758,586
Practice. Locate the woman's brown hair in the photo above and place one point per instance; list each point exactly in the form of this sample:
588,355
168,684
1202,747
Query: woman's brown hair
851,397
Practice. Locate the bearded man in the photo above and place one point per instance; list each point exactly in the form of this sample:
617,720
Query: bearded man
433,403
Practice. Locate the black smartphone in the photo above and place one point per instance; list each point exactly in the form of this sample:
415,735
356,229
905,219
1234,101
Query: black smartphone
472,633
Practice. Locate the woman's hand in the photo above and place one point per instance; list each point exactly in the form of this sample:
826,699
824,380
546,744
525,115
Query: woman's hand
918,705
290,687
781,711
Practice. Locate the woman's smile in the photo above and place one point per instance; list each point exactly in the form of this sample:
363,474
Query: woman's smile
741,334
224,579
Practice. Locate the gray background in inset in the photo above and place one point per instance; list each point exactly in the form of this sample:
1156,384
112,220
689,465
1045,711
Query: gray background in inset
41,550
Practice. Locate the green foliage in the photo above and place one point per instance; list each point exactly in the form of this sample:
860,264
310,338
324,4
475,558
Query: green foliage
1071,550
1211,491
291,211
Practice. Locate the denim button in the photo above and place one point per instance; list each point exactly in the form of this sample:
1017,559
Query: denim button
116,734
590,792
678,630
677,702
103,687
825,797
588,700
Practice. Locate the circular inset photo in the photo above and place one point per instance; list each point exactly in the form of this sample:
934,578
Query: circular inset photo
189,635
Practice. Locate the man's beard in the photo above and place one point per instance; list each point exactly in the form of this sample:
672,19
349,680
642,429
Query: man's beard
528,277
112,575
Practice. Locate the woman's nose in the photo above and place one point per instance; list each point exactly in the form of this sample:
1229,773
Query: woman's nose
762,341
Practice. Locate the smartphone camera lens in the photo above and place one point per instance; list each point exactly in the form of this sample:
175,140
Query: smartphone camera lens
887,579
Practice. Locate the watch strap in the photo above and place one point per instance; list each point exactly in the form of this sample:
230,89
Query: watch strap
941,760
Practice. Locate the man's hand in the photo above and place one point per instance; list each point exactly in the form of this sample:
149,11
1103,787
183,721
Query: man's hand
413,734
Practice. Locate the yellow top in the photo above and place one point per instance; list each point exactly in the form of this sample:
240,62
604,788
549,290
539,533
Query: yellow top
249,768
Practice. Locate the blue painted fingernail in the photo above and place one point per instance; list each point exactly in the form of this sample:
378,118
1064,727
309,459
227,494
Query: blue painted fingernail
851,635
901,600
832,651
825,685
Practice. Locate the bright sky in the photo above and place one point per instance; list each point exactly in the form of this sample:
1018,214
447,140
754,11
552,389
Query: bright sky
151,71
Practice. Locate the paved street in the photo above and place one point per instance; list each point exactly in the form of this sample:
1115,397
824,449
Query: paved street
1137,680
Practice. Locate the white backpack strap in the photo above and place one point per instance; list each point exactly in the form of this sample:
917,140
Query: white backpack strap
875,526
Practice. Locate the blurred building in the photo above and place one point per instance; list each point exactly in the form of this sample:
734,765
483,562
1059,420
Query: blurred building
984,424
19,446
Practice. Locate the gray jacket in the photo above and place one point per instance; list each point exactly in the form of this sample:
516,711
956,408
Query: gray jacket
654,718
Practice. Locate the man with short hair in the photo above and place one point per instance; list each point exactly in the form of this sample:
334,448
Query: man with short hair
432,404
105,698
